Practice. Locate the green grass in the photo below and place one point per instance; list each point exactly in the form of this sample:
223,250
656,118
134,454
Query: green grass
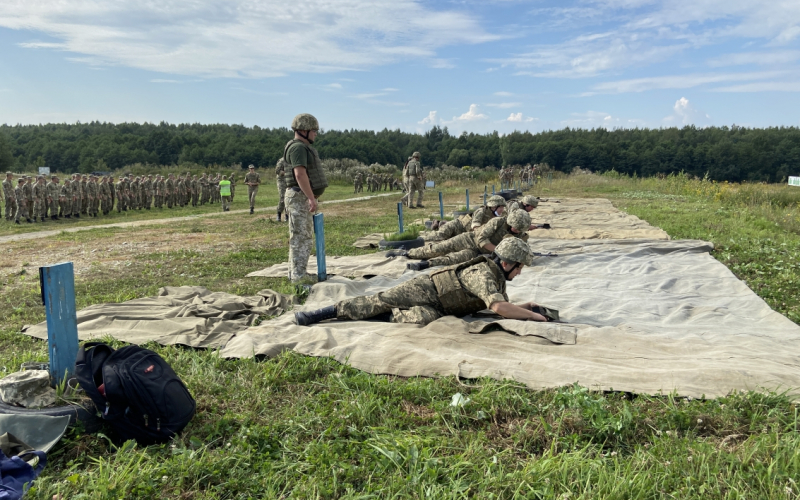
302,427
411,233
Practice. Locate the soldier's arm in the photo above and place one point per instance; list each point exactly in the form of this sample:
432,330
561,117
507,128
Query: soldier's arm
483,237
511,311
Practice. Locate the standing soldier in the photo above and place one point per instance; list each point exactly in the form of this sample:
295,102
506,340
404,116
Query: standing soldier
28,190
76,195
134,196
306,183
415,181
105,194
119,187
203,181
52,193
356,182
39,199
252,179
22,205
195,185
66,194
280,178
147,189
232,178
11,197
170,190
225,193
113,189
180,191
84,194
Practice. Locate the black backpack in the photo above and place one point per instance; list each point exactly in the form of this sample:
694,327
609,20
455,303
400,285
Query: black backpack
144,399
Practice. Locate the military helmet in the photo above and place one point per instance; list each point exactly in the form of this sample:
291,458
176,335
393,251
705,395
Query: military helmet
305,121
496,201
249,166
530,200
519,220
415,154
514,250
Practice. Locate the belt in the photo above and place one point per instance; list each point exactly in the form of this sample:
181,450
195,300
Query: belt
295,189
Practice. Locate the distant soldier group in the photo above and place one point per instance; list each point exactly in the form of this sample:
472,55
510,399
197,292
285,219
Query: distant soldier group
90,195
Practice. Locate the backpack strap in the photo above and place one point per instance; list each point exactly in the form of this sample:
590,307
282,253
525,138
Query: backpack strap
89,369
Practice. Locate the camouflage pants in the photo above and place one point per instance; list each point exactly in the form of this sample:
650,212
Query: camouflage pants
52,204
252,191
464,241
63,208
226,203
415,184
11,208
301,230
195,197
39,208
120,202
281,195
22,211
415,301
452,229
75,206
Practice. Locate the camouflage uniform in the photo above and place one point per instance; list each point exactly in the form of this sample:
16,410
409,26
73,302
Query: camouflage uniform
53,192
147,192
120,188
415,182
469,245
358,183
27,190
420,300
40,199
252,177
196,191
84,194
169,191
11,198
65,198
280,179
452,228
232,178
22,206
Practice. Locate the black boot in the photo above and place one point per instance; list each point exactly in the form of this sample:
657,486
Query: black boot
77,216
397,253
17,221
251,211
418,266
29,220
310,317
279,216
286,217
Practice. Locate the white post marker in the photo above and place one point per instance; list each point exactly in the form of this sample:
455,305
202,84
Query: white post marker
794,181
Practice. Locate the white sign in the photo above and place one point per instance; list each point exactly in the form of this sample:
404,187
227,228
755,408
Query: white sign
44,170
794,181
430,184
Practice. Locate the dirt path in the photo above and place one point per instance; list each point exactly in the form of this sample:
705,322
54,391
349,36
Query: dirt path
148,222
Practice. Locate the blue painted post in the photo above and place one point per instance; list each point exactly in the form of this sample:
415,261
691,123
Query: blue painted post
319,234
400,216
441,206
492,189
467,200
58,294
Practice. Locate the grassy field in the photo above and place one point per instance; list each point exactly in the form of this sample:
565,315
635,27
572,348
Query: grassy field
300,427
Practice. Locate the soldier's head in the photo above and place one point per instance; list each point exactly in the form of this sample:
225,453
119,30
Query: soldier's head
21,181
496,204
519,220
195,176
67,180
415,155
9,175
512,254
224,177
306,127
251,167
529,202
54,178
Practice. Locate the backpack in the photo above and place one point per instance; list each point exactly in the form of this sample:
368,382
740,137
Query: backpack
136,391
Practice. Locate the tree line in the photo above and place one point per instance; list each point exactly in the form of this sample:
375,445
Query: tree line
724,153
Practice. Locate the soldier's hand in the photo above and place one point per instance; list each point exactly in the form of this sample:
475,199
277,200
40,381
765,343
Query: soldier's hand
312,205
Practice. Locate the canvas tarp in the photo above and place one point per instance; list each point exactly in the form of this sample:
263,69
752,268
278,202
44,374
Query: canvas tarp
376,264
186,315
649,316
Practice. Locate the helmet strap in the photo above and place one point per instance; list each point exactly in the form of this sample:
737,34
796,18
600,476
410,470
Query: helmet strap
305,135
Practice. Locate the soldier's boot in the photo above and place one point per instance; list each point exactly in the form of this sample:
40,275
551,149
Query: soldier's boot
29,220
420,205
17,221
397,253
68,216
418,266
77,216
279,216
286,217
251,211
310,317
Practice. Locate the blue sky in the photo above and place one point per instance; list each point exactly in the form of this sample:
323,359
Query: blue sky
474,66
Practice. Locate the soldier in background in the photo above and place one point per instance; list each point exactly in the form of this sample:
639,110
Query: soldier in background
195,190
169,190
280,179
252,179
22,205
65,199
415,182
53,191
203,189
120,189
39,199
28,190
232,178
113,190
9,192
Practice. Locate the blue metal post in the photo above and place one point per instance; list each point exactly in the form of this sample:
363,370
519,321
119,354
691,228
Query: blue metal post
400,216
319,234
492,189
467,200
58,294
441,206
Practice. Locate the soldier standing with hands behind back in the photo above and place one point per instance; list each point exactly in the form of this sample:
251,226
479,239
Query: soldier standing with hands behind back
252,179
305,184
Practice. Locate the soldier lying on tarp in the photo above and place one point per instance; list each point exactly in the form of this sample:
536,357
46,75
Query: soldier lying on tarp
457,290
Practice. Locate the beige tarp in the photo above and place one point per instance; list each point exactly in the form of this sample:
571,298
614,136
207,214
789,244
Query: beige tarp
368,241
186,315
376,264
649,316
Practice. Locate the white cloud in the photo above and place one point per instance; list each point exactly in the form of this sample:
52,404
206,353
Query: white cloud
333,86
760,58
503,94
762,87
470,116
599,119
505,105
245,38
680,81
685,114
431,119
159,80
518,118
390,89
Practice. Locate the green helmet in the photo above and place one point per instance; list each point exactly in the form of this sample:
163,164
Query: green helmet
519,220
514,250
415,155
530,200
496,201
305,121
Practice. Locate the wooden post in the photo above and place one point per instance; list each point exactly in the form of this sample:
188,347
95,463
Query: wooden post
441,206
400,216
319,234
58,295
467,200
